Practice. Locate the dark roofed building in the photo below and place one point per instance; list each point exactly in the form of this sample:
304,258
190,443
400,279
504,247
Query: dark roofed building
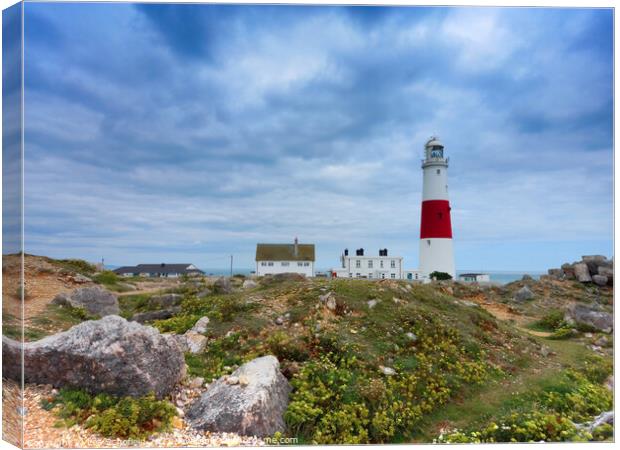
158,270
285,258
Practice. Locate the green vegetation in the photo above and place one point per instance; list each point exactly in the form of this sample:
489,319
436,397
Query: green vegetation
550,415
75,265
54,319
126,417
106,277
440,276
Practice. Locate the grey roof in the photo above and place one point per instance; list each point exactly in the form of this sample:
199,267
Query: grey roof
157,268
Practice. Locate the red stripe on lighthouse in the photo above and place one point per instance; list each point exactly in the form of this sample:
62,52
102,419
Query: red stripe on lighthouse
435,219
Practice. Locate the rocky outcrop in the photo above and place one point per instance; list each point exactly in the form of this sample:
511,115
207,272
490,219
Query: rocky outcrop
524,294
108,355
223,286
589,316
600,280
94,299
582,273
251,401
165,300
586,270
193,340
160,314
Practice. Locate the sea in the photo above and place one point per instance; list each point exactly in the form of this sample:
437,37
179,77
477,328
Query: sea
498,277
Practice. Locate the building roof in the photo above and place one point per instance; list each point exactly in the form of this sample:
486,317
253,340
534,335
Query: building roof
158,268
472,274
284,252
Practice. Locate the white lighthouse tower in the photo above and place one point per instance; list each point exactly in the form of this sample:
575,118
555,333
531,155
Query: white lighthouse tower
436,252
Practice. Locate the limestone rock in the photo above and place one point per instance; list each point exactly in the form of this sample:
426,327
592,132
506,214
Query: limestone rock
372,303
165,300
608,272
249,284
108,355
94,299
524,294
161,314
592,317
387,370
593,262
600,280
255,407
196,342
582,273
223,286
201,325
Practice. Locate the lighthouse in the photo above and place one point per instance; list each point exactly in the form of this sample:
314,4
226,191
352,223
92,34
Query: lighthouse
436,252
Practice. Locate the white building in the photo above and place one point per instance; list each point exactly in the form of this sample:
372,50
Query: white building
413,275
272,259
475,277
370,267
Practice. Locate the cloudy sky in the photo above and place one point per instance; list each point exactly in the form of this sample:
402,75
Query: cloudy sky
186,133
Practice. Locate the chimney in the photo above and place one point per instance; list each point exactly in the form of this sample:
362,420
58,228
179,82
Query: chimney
385,252
346,252
361,252
296,251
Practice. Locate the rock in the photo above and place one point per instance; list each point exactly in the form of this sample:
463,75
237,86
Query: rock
600,280
254,409
161,314
204,293
582,273
372,303
569,271
249,284
196,383
165,300
607,272
196,342
180,413
593,262
526,277
387,371
606,417
200,326
558,274
545,351
411,336
585,315
80,279
94,299
602,341
524,294
331,303
279,320
232,380
108,355
323,298
223,286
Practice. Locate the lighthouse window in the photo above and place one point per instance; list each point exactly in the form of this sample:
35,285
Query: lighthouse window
438,171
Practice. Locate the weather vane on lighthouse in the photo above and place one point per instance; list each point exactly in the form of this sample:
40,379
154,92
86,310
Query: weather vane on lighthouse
436,254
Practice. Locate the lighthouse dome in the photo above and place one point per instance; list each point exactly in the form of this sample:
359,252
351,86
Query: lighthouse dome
434,142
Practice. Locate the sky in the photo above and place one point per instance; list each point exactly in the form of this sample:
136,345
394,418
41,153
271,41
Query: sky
187,133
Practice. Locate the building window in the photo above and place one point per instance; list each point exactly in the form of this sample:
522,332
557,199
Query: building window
350,275
381,264
370,263
285,264
263,264
393,275
306,264
370,275
382,275
300,264
358,263
270,264
393,264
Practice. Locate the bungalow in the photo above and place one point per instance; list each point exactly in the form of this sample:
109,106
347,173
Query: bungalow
475,277
285,258
158,270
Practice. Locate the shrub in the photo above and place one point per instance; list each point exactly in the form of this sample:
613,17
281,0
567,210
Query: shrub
177,324
106,277
77,265
440,276
551,321
286,348
563,333
110,416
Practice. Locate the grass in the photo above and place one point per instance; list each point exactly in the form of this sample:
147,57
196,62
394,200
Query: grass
55,319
